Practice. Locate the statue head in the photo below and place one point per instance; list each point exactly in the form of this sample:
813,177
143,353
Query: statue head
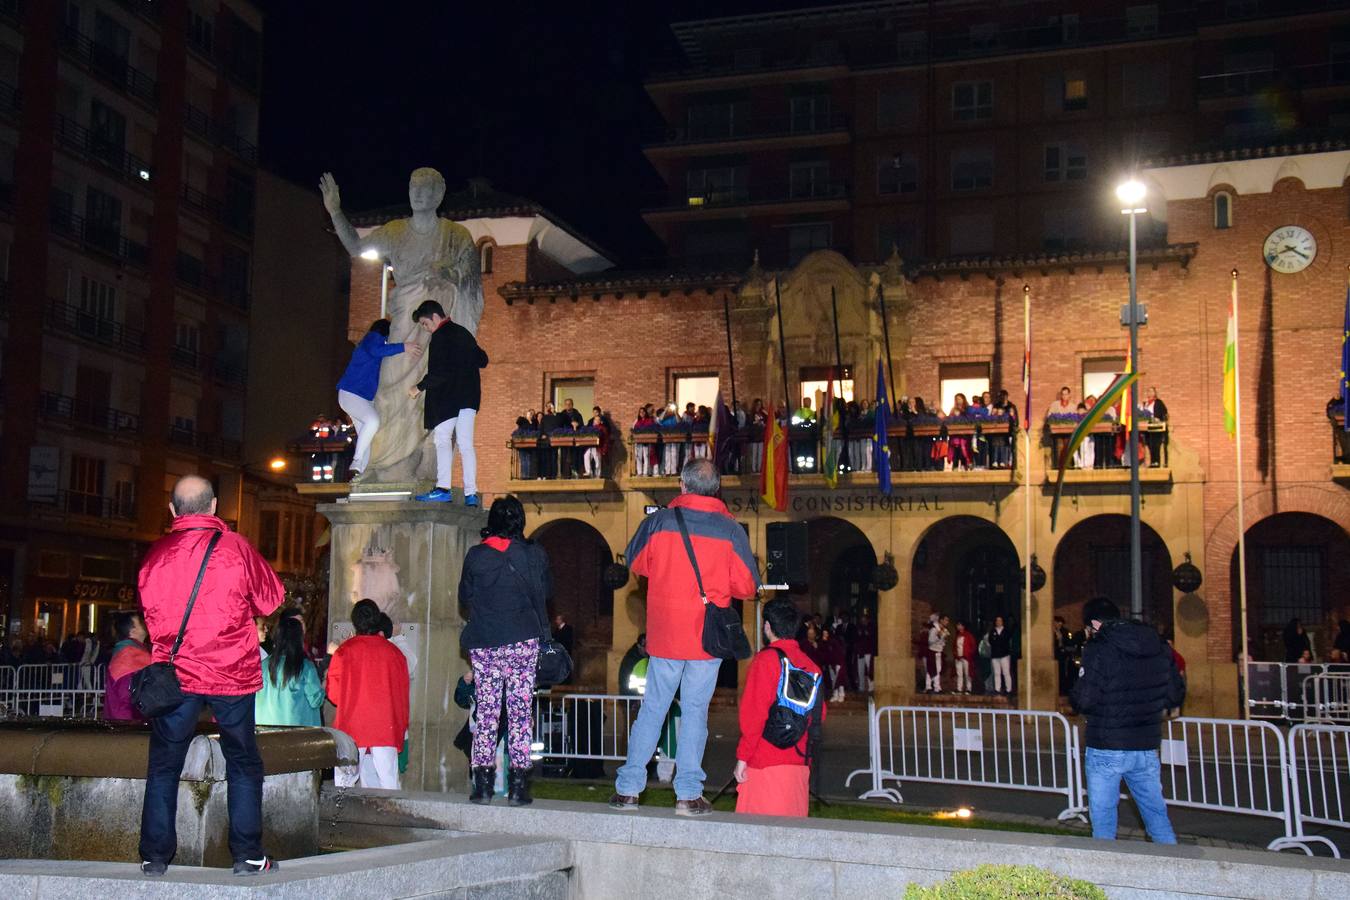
426,190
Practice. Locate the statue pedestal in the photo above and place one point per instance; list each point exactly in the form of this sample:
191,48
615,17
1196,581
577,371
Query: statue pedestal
407,556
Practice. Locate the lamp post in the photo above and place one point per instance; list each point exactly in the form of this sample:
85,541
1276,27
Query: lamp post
277,465
1131,196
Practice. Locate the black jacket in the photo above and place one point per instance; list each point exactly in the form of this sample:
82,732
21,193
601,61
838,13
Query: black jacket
452,382
1000,645
501,606
1128,680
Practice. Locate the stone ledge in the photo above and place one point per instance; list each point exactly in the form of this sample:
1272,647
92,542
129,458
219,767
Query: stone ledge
1110,476
562,486
473,864
852,859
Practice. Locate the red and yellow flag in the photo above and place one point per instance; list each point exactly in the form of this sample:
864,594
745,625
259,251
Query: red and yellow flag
773,475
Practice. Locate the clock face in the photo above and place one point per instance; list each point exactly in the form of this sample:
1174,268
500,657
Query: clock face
1290,249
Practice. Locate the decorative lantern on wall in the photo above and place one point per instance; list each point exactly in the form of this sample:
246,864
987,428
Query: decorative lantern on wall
615,576
1037,575
884,576
1186,577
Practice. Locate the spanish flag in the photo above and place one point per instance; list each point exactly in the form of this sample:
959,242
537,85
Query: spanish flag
773,475
1230,368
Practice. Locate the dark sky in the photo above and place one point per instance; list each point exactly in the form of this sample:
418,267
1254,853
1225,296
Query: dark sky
544,99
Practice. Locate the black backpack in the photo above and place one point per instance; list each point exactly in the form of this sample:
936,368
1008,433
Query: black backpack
796,708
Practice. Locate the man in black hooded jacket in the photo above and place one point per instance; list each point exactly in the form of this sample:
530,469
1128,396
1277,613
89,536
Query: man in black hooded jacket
1127,682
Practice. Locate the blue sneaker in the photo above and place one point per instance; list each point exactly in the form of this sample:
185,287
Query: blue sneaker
471,500
436,495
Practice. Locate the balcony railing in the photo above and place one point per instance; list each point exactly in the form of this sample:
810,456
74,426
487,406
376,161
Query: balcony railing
1249,81
200,201
211,444
78,503
186,359
109,65
201,124
751,127
73,320
75,136
99,236
754,194
89,415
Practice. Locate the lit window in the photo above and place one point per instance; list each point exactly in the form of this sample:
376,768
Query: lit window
969,379
1075,92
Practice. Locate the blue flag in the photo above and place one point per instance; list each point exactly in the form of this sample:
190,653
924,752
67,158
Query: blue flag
1345,362
882,446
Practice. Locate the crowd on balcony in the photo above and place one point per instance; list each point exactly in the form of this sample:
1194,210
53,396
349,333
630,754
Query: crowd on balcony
1106,447
561,443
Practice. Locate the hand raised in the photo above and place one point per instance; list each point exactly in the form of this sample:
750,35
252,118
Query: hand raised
332,198
413,392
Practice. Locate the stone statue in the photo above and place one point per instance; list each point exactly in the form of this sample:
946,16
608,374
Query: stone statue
432,259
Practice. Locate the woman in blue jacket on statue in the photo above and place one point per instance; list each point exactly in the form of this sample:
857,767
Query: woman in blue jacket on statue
356,388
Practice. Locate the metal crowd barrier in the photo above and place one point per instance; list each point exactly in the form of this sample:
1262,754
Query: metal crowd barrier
1275,689
1026,750
593,726
59,690
1326,698
1319,779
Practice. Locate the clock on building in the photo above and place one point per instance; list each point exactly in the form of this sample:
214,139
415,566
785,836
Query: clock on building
1289,249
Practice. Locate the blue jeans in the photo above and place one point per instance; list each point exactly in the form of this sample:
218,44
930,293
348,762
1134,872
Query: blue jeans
1143,775
695,679
169,739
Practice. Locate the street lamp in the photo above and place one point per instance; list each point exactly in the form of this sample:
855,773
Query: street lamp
1131,195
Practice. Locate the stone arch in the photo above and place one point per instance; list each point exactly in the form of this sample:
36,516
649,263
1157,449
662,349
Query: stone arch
1329,502
1078,578
578,554
841,563
967,567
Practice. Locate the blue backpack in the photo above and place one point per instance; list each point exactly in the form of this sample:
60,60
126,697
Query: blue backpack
796,708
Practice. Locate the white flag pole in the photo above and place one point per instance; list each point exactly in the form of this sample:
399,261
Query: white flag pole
1026,490
1242,522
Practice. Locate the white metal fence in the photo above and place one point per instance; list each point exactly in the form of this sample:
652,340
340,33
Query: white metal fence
59,690
1028,750
1326,698
1319,779
593,726
1275,689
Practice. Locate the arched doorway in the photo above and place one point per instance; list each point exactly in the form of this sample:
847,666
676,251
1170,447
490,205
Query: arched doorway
578,555
1093,560
841,565
1297,567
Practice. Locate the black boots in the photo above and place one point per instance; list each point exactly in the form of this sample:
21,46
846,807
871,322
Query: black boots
518,788
483,779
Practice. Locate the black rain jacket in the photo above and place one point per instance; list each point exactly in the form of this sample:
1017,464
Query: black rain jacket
1127,682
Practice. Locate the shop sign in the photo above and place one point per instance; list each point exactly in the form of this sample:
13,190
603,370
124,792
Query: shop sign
843,503
102,590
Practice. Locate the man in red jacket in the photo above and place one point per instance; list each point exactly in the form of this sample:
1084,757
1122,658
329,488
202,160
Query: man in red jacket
774,781
368,683
218,666
675,629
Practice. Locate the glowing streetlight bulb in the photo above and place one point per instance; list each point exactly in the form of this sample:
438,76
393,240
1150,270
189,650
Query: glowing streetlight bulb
277,464
370,254
1131,193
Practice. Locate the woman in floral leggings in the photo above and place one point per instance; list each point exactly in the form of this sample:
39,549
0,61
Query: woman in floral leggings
504,590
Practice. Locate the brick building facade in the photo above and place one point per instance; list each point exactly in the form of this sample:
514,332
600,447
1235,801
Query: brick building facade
958,538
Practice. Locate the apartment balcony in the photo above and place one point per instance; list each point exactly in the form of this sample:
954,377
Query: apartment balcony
109,65
202,442
84,414
744,200
1240,85
78,503
200,124
101,151
99,236
68,319
750,133
186,360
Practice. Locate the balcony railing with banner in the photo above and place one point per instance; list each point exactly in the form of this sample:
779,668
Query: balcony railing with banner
1098,450
109,65
82,323
93,146
557,456
89,415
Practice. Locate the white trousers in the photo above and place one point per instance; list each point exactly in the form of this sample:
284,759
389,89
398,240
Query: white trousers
1002,673
934,681
590,461
367,422
452,433
378,768
963,675
642,455
671,452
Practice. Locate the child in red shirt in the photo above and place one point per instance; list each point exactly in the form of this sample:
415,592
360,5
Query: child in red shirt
773,781
368,683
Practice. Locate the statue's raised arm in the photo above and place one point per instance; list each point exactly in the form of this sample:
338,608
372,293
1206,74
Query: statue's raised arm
332,201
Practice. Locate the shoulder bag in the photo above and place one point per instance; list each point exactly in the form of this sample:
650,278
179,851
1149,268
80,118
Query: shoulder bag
723,635
155,690
554,666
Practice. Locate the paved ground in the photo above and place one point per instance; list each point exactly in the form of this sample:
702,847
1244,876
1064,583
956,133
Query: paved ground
846,750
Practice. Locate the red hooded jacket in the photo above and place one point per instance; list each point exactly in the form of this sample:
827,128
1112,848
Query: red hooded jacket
674,610
368,683
761,690
220,654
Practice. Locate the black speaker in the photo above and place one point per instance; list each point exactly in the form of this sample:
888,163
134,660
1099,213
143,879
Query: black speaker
786,553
